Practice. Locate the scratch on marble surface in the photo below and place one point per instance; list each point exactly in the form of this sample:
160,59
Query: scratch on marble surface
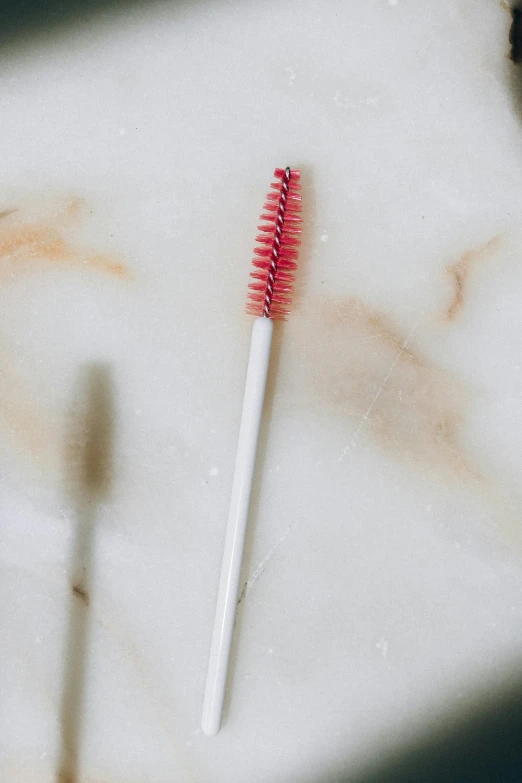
460,272
378,393
291,75
263,564
383,646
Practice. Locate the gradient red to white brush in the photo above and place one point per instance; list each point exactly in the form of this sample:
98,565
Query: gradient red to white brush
275,256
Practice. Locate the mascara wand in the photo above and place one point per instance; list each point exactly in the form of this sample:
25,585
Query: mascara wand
269,298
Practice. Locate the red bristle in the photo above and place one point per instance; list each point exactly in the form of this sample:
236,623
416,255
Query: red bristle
275,256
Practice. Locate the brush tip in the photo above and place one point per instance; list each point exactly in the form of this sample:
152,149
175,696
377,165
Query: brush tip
271,287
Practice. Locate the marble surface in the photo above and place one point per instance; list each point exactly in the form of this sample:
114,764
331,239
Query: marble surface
383,572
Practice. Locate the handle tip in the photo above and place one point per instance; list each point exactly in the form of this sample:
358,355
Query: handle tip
210,725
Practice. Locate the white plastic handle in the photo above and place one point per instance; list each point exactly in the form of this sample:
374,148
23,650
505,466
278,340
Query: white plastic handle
237,525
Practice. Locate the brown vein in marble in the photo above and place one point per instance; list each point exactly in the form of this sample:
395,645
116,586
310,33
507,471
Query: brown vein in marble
30,242
461,270
372,376
32,238
110,617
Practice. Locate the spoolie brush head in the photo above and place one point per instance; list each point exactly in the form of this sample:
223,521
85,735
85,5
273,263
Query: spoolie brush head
275,256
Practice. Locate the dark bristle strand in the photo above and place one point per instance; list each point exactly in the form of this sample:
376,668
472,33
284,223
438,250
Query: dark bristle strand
275,255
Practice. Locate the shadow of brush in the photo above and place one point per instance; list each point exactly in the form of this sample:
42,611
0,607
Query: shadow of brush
88,457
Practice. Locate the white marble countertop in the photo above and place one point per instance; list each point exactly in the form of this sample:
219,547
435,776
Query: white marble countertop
383,568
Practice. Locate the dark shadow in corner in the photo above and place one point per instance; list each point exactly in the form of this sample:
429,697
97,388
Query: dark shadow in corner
515,56
23,21
480,741
88,457
308,215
